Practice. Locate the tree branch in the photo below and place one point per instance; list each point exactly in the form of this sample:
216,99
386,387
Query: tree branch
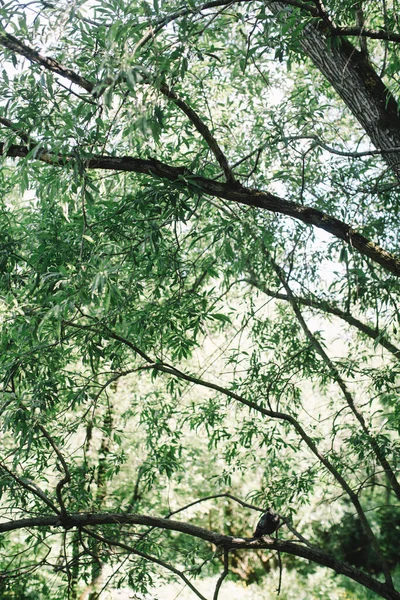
223,574
235,193
327,308
202,129
186,10
17,129
373,34
350,401
354,79
19,47
30,486
380,456
148,557
33,487
314,554
278,415
12,43
285,520
229,190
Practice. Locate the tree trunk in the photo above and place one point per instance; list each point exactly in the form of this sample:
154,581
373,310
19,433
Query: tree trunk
352,76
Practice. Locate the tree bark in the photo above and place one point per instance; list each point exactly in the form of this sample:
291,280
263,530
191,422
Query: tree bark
234,192
353,77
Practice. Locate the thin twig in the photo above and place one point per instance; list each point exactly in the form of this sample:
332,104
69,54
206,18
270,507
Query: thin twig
223,574
148,557
331,309
350,401
30,486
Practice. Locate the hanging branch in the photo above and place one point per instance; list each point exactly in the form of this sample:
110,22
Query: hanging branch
223,574
148,557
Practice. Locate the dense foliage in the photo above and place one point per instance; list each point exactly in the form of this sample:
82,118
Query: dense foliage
199,295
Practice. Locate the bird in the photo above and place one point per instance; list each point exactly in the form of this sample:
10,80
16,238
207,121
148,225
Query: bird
268,523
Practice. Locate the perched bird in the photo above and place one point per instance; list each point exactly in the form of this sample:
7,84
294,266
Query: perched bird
268,523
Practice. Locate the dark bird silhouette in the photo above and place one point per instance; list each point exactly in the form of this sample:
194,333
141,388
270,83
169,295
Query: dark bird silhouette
268,523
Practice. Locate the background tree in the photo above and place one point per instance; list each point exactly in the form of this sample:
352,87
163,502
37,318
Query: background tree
199,293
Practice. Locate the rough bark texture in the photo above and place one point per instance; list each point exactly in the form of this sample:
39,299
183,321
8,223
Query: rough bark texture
352,76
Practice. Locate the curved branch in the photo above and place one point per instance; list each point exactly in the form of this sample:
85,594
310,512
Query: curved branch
278,415
67,475
186,10
60,484
350,402
223,574
30,486
379,454
148,557
327,308
284,520
294,548
233,192
213,497
15,45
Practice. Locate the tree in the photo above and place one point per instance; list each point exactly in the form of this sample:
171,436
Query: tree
173,318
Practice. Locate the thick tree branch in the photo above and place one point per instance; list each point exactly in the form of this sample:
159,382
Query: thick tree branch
373,34
17,130
354,79
231,191
12,43
234,193
307,7
80,520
